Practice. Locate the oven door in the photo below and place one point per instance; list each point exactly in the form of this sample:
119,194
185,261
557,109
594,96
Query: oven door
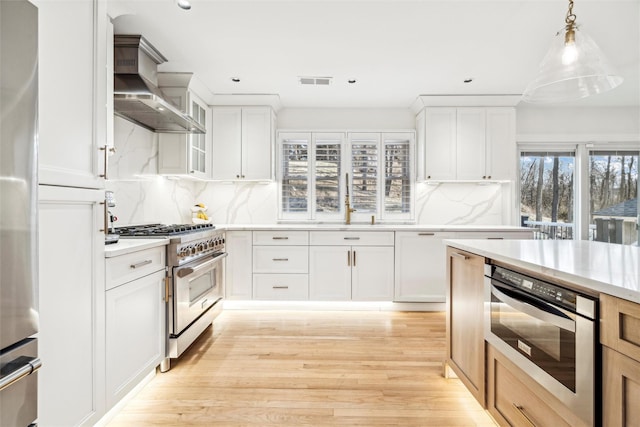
196,287
554,346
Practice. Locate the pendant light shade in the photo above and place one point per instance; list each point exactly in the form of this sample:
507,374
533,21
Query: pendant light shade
573,68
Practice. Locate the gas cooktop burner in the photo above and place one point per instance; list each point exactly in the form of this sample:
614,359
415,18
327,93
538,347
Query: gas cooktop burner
162,230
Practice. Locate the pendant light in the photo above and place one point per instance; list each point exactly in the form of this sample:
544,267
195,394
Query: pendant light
573,68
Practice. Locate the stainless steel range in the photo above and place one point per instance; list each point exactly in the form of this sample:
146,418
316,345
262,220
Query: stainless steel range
195,279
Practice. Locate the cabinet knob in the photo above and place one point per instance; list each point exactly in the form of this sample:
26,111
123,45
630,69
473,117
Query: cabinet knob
237,176
484,177
489,177
428,176
243,176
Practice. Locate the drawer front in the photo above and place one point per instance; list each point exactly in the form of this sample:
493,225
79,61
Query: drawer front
285,287
281,259
351,238
281,238
515,399
125,268
494,235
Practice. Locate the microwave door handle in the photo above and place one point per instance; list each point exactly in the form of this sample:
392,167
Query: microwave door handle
567,324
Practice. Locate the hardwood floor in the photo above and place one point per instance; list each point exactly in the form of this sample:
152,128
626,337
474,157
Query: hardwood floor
310,368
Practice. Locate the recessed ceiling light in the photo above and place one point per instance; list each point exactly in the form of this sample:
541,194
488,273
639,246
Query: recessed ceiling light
235,79
468,80
351,81
184,4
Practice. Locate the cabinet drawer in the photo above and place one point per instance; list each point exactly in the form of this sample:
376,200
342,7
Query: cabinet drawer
494,235
280,259
620,326
125,268
284,238
515,399
351,238
281,286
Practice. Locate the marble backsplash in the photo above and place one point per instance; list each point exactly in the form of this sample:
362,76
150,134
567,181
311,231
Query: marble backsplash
143,196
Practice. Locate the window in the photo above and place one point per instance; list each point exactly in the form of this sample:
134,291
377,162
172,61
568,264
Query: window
294,153
613,196
314,168
589,191
546,193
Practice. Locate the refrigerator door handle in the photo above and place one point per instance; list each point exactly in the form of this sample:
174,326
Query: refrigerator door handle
28,365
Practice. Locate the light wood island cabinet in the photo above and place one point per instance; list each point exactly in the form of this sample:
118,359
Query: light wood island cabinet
620,337
465,326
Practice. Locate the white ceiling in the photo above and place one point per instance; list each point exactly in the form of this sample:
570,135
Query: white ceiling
396,50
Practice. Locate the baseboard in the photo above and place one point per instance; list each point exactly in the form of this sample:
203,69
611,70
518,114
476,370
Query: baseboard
333,305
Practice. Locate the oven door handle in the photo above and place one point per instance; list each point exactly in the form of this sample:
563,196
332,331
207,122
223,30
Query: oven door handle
207,265
567,323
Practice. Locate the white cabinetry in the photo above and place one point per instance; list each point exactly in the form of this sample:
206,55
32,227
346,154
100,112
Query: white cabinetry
238,279
280,265
72,164
467,143
72,149
71,285
351,265
243,143
420,267
185,154
420,261
135,319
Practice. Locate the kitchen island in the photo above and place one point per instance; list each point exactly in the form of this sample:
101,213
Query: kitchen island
605,273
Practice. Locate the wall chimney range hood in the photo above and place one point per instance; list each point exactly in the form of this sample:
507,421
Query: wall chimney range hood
136,96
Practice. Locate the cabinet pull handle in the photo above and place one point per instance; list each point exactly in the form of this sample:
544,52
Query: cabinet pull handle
280,238
280,287
349,258
281,259
354,258
141,263
495,238
166,289
520,409
459,256
426,234
351,238
106,150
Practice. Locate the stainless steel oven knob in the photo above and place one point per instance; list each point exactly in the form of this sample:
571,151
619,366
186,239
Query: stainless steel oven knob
183,252
192,250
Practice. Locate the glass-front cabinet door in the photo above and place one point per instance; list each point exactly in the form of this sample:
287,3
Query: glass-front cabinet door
198,152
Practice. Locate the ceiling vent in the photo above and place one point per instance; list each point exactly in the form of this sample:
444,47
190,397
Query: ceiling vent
318,81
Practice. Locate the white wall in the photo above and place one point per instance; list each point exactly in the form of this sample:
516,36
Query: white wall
564,124
346,118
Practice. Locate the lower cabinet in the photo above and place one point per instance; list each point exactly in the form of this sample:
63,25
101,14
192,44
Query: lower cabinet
135,333
238,274
514,399
420,267
465,314
359,273
620,337
71,300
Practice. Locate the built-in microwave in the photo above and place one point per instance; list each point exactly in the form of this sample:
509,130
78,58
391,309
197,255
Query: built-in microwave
547,330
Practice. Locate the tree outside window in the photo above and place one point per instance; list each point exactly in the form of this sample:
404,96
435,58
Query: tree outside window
547,193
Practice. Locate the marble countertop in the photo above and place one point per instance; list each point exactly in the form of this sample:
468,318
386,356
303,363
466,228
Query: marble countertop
601,267
368,227
127,246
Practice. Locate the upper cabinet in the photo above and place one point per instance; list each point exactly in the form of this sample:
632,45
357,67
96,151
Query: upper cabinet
466,143
243,143
185,154
72,151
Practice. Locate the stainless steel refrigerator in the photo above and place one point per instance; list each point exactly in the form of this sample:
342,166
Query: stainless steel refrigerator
18,215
